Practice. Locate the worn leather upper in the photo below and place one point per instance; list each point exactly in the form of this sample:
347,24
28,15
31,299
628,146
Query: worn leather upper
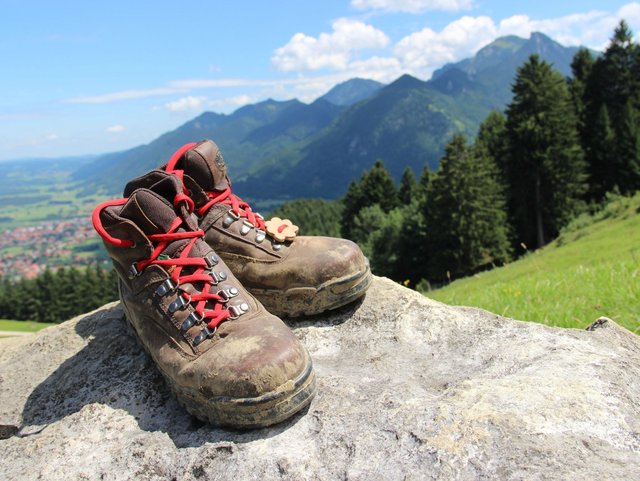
258,261
246,357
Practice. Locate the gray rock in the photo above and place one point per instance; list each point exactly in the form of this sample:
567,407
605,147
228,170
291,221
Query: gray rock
408,389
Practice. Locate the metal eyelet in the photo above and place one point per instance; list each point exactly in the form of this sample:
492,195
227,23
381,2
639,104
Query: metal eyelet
190,321
230,218
212,260
206,333
260,235
237,311
276,245
246,227
166,287
179,304
227,294
218,277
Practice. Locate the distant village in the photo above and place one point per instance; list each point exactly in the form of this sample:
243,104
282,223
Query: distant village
27,251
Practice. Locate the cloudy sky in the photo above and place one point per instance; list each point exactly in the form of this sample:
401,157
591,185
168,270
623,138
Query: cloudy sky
92,77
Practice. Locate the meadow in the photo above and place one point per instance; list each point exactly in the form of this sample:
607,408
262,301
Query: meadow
592,269
22,326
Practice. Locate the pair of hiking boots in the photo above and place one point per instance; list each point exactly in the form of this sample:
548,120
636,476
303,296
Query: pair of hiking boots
202,279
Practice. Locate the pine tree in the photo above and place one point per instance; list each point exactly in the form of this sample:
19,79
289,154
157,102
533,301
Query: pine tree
613,84
408,187
364,226
628,152
620,81
602,155
352,205
581,68
546,171
48,294
492,138
411,264
375,187
466,220
384,244
425,178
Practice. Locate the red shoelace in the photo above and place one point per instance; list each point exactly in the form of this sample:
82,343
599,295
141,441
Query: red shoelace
239,207
212,317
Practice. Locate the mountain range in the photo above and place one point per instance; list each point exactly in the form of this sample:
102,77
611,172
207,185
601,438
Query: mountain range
282,150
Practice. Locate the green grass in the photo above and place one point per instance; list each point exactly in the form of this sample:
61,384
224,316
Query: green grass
57,200
22,326
591,270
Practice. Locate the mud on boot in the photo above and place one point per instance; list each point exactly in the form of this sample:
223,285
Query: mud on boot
228,361
291,276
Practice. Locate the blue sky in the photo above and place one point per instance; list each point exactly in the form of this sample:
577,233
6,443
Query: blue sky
93,77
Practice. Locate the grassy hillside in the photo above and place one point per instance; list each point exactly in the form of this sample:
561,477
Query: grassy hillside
23,326
591,270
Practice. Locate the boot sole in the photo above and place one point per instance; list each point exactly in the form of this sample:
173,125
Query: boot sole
242,413
254,412
308,301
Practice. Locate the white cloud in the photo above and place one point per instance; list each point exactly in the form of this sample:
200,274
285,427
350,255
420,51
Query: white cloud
631,13
52,137
114,129
230,103
412,6
424,51
591,28
330,50
186,104
124,95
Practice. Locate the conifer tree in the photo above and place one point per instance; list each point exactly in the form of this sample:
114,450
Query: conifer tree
466,219
581,68
425,178
376,186
423,186
492,138
546,170
352,205
411,243
47,288
408,187
602,155
613,84
617,76
628,152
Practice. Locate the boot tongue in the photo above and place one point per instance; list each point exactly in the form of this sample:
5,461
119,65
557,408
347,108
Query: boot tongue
204,164
150,212
152,209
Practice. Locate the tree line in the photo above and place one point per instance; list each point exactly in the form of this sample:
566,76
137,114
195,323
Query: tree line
57,296
557,150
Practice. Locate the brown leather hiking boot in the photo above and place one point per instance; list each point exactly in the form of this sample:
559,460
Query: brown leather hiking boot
302,276
228,361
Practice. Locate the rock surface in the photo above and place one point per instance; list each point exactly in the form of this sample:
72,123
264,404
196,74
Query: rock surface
408,389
